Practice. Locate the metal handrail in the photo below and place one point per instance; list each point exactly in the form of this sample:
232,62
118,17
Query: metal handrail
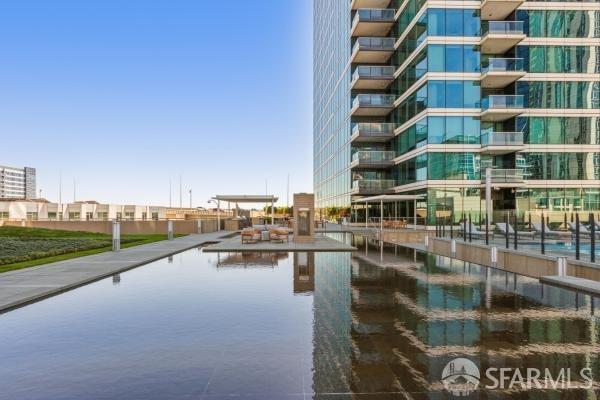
374,128
506,175
375,15
503,65
376,184
502,27
502,101
374,100
375,43
383,72
374,156
501,138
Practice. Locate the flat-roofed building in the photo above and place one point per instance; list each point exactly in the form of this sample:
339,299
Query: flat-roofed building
421,98
17,183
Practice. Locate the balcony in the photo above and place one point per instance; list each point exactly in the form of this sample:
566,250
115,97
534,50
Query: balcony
498,9
501,107
372,22
372,77
356,4
372,50
501,72
372,186
498,143
500,36
373,159
504,177
375,132
375,105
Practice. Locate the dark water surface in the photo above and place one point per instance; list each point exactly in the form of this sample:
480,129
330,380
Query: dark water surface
381,324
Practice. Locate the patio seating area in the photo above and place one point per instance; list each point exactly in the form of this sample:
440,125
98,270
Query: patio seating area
257,234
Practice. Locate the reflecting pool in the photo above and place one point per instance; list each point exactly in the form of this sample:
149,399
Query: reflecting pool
380,324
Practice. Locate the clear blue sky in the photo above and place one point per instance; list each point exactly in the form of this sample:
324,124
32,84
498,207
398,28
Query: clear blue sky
125,95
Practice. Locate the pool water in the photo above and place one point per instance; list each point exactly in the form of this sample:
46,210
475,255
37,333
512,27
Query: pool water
382,323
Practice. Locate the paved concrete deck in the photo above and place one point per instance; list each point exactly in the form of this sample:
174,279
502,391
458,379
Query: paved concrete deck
28,285
321,244
571,282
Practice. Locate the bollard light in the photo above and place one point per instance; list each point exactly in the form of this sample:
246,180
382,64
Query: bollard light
116,236
170,230
494,255
561,266
453,247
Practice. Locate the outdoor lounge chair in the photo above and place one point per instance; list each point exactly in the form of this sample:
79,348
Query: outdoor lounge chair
549,233
478,233
524,234
278,235
582,229
250,235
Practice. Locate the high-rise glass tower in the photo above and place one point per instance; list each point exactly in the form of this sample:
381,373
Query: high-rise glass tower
421,97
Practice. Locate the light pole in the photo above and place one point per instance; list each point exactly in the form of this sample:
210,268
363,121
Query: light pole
218,212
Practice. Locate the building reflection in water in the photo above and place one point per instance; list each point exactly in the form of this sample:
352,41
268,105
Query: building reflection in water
388,319
116,278
250,259
304,272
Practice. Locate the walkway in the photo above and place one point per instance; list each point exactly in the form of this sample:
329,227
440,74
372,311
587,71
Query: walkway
28,285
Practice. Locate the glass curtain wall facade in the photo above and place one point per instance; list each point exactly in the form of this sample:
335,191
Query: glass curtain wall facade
331,105
433,96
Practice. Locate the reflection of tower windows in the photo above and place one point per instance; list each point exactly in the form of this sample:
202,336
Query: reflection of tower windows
451,368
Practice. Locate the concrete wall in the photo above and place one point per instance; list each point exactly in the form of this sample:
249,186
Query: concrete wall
516,261
209,225
404,236
127,227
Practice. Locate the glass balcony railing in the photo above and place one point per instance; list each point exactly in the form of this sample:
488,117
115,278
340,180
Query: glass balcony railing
374,128
502,139
505,175
502,27
374,156
503,65
374,44
374,15
373,184
502,101
374,100
374,72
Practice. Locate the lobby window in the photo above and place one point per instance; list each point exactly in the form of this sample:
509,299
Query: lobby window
74,216
3,215
32,216
103,216
155,216
51,215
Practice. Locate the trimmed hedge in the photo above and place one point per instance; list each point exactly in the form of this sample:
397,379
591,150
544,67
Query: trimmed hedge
17,250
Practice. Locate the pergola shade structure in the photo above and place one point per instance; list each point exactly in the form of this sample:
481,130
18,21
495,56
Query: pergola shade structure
388,198
246,198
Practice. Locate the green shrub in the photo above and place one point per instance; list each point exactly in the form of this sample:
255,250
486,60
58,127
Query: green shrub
17,250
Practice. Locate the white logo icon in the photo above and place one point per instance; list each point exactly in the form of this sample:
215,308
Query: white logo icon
461,377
